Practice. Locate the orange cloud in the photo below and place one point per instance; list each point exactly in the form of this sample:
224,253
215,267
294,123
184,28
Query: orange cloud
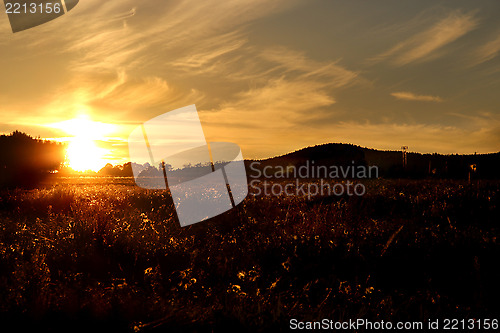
423,45
487,51
408,96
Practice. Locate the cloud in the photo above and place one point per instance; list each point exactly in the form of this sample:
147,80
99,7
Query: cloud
423,46
289,89
118,96
189,33
135,61
126,34
120,61
289,92
124,62
487,51
262,118
408,96
203,56
291,61
275,105
421,137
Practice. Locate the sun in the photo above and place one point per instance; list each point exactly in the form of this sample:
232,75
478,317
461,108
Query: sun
82,153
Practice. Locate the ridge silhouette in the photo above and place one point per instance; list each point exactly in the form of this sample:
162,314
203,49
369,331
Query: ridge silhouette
389,163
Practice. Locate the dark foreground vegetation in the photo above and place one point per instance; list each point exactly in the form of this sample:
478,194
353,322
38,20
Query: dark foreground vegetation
25,161
86,257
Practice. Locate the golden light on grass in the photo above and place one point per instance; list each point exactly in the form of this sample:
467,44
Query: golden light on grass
82,153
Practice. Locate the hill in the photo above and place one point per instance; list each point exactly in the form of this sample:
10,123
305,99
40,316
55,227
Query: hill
389,163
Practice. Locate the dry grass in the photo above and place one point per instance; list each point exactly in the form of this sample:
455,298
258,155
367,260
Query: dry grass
110,256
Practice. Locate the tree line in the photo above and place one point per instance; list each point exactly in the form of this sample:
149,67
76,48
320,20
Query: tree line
25,161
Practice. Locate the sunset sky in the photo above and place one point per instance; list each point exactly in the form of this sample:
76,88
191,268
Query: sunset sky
271,76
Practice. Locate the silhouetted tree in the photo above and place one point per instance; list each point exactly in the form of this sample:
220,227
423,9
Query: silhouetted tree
24,160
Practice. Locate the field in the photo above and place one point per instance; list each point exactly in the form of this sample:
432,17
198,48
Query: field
104,255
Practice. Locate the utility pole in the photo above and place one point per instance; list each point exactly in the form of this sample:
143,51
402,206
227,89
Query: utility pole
405,158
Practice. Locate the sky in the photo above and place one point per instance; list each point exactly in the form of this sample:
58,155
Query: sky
272,76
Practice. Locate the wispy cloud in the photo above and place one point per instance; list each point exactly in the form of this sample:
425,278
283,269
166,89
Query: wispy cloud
269,117
205,55
293,61
288,89
423,46
186,33
126,61
118,96
274,106
409,96
487,51
148,45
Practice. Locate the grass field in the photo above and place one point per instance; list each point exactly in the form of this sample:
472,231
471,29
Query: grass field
102,254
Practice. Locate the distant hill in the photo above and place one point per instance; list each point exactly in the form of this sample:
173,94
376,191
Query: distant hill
389,163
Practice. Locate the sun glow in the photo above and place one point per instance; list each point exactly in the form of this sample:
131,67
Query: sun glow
82,153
